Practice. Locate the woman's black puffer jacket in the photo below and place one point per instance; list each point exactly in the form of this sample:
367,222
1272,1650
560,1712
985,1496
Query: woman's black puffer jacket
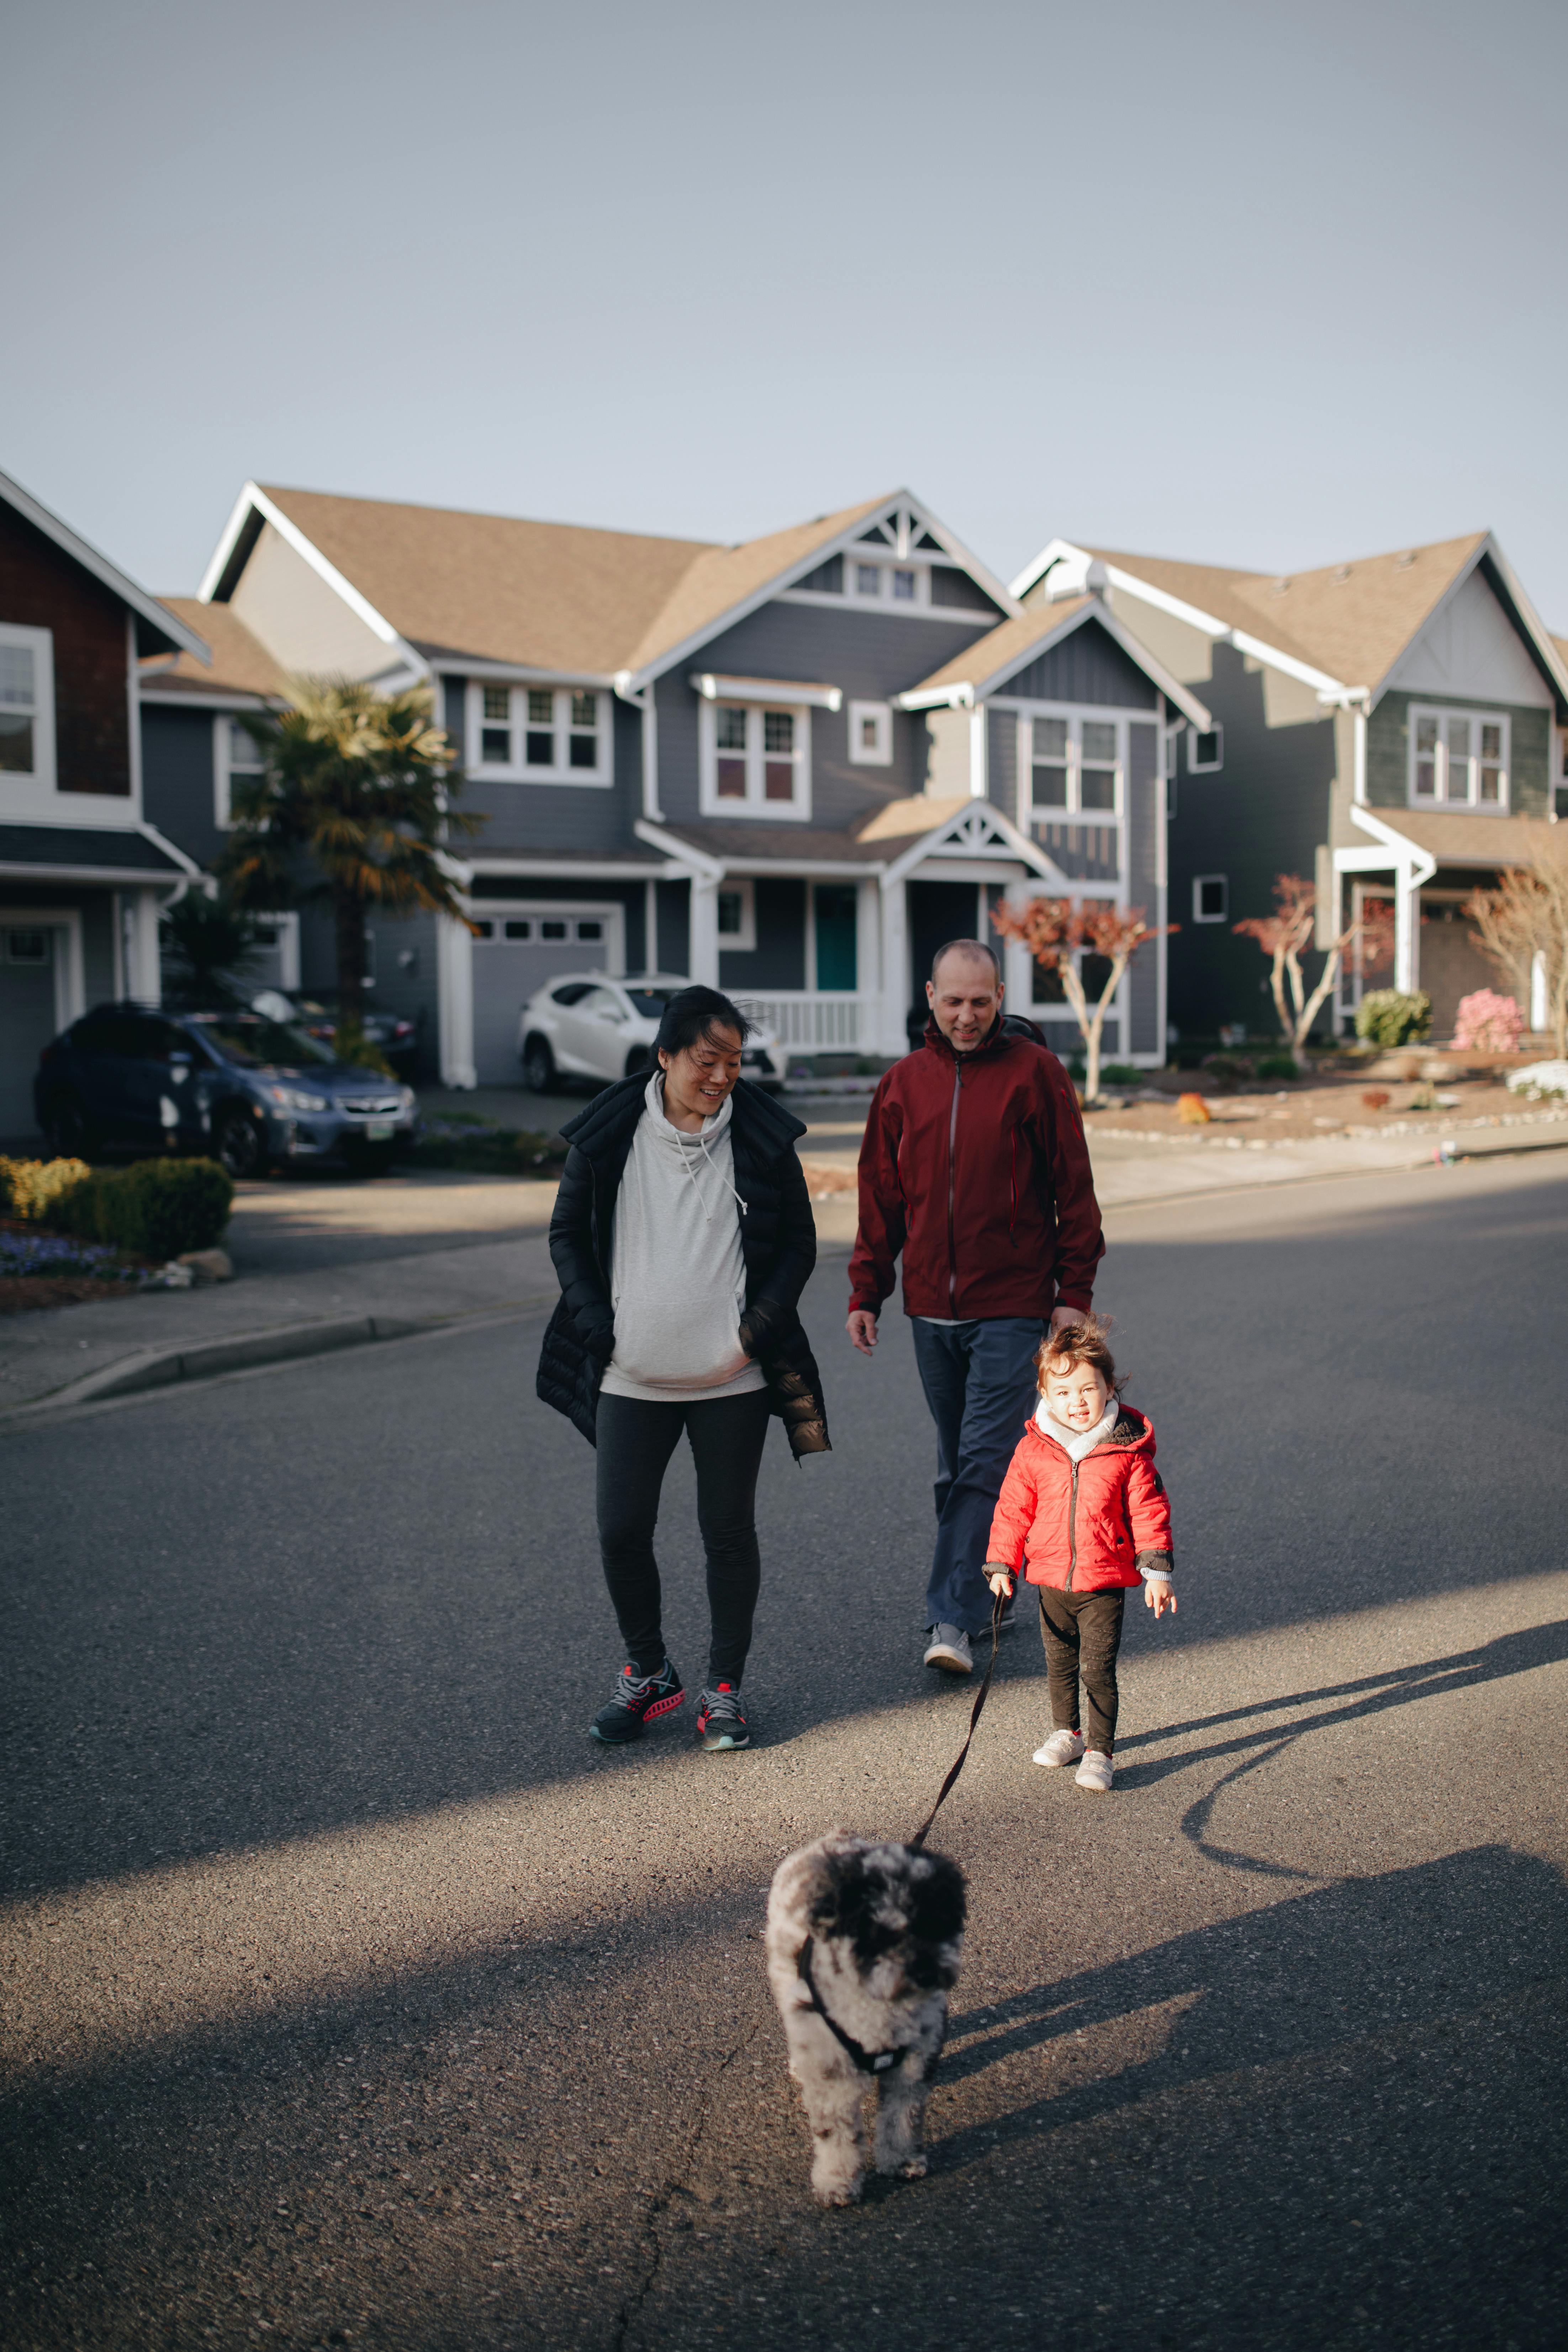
778,1242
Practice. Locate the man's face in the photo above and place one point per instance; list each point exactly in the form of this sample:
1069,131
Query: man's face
964,996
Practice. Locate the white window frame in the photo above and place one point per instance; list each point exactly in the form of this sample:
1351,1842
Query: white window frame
1076,716
743,942
1441,712
608,913
516,769
224,766
755,807
1198,882
1196,767
19,789
880,753
886,563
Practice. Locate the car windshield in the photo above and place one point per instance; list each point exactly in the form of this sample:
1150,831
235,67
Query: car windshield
649,1001
256,1043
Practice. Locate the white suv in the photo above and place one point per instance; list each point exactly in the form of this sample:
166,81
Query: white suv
583,1024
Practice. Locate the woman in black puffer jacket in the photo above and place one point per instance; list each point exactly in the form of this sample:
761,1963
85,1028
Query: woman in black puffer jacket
683,1237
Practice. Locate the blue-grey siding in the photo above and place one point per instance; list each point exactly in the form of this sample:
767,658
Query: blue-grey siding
1002,761
1144,787
1530,735
955,591
177,778
1088,667
778,960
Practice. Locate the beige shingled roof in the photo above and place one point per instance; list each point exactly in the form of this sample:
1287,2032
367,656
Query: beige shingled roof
542,595
1457,838
876,842
241,664
1351,620
1003,647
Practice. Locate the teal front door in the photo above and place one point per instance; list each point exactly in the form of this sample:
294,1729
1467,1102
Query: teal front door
834,910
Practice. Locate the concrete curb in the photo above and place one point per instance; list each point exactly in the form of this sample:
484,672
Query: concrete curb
159,1367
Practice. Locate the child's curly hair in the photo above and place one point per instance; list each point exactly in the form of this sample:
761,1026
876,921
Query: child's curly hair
1083,1342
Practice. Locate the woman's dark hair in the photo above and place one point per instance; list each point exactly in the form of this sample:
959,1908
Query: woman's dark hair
697,1012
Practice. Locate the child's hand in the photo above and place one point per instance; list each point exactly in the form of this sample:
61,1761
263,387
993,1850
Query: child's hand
999,1578
1158,1595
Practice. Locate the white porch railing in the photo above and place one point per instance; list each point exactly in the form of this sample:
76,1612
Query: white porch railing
816,1021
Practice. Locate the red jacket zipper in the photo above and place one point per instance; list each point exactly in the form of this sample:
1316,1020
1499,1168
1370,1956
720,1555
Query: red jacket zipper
1072,1528
951,1188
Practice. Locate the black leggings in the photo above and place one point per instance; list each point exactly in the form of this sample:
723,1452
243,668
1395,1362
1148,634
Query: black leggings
634,1441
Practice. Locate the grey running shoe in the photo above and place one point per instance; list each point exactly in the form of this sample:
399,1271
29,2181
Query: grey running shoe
639,1699
948,1647
721,1720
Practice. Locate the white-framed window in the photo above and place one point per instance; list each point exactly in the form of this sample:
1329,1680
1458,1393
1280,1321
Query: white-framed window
541,734
1205,750
235,753
870,579
1211,897
871,734
756,759
539,930
1457,758
1072,765
26,706
737,904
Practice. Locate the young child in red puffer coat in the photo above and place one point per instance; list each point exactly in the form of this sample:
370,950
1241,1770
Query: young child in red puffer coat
1084,1512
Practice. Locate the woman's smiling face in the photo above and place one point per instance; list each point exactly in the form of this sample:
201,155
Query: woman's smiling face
699,1078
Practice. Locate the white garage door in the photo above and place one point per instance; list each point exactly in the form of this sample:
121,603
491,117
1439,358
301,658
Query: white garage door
518,948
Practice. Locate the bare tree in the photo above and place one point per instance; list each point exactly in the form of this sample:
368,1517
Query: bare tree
1284,936
1523,923
1057,932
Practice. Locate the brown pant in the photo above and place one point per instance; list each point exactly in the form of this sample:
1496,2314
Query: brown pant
1082,1633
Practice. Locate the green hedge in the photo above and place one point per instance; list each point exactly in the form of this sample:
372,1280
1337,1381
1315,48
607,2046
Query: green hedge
30,1188
1394,1016
155,1208
1279,1065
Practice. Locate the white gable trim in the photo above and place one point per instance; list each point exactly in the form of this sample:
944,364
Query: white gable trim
981,831
253,499
150,610
628,681
1540,645
967,693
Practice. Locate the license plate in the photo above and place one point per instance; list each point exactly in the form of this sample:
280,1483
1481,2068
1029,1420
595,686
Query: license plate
378,1130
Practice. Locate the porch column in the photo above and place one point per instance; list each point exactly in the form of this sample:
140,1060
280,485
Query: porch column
454,1002
868,966
139,946
895,973
704,948
1406,943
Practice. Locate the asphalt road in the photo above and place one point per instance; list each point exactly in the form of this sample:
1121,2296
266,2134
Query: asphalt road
351,1995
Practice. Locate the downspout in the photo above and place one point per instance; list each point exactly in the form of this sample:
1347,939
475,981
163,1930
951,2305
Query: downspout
642,698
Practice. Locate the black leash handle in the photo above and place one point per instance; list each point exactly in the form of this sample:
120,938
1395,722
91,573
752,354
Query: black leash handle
923,1832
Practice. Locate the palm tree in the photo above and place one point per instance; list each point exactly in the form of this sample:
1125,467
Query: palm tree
353,807
211,940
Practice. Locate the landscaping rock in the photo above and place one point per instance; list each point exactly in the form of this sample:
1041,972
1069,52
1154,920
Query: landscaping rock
208,1264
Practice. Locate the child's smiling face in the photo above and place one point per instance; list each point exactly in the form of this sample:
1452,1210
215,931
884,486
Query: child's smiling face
1076,1393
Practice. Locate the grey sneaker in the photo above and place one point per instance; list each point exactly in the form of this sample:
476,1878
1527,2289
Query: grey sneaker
948,1647
722,1719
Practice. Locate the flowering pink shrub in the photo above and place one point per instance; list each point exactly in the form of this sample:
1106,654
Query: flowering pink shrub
1489,1021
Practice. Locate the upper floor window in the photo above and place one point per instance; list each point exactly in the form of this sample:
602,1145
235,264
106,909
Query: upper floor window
886,583
541,734
756,760
235,754
1459,758
26,706
1205,751
1073,767
871,734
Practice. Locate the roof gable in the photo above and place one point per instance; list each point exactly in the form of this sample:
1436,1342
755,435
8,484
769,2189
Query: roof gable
157,630
1016,658
240,662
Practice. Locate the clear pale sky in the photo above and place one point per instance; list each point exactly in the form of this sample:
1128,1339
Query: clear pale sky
1240,283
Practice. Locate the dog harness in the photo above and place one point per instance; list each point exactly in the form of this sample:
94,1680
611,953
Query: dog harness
869,2062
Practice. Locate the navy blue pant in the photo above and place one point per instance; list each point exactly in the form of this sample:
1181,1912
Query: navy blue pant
979,1383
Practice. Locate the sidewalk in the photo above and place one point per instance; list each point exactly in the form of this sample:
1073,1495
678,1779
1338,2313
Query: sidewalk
323,1266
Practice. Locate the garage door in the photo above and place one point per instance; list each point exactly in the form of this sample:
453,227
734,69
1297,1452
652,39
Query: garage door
518,948
27,1023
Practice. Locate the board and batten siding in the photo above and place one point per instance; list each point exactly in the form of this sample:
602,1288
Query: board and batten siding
1089,669
178,781
1002,761
1530,733
1144,788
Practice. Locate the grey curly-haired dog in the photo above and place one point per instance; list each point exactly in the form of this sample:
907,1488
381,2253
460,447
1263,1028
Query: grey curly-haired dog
863,1944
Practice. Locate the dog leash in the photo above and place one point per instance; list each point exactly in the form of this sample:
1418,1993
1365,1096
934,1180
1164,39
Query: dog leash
923,1832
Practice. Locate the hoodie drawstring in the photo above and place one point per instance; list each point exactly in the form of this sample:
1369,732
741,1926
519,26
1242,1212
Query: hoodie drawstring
691,1172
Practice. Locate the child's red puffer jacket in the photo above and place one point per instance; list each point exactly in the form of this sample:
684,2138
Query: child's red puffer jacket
1088,1526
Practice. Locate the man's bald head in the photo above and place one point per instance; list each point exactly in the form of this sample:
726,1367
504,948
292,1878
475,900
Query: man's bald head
964,993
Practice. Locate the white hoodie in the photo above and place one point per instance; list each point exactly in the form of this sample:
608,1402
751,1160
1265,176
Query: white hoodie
677,1277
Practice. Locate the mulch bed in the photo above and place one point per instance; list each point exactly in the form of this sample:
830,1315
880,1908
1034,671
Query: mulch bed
24,1294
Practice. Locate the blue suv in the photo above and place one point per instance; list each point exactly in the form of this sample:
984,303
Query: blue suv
254,1093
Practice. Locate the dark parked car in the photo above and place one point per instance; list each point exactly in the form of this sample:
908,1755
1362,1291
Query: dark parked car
392,1036
253,1092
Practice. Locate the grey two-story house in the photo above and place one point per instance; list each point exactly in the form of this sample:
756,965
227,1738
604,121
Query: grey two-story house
790,767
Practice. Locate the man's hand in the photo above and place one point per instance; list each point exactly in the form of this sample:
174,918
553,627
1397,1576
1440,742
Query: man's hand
862,1330
998,1578
1063,1315
1159,1596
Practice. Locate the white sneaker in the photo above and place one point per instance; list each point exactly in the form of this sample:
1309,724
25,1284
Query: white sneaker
949,1649
1061,1748
1095,1771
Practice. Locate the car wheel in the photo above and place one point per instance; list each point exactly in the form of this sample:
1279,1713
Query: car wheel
538,1065
240,1144
67,1129
638,1060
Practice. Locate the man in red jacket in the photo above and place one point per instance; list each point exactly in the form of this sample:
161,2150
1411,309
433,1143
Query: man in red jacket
974,1166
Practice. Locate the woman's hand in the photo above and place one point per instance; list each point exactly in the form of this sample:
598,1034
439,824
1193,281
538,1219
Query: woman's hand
998,1578
1159,1596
